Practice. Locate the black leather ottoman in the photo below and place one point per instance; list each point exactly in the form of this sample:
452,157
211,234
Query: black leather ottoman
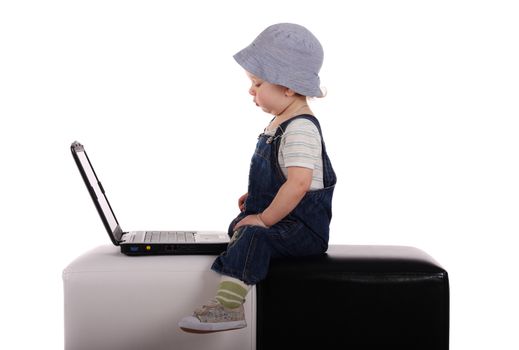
355,297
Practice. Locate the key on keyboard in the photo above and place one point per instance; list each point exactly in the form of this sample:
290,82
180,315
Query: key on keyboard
169,237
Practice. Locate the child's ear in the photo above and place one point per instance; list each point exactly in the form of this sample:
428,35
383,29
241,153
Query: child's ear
289,92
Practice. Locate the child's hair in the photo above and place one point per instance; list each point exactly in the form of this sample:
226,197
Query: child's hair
285,54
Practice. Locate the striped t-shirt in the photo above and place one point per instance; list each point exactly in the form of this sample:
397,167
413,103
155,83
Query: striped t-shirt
301,146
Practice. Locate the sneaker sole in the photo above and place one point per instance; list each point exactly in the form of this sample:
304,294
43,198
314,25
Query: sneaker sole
196,331
193,325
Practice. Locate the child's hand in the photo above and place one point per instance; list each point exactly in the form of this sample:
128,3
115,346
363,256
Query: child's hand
251,220
241,201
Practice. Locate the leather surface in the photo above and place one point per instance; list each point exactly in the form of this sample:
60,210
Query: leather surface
355,297
116,302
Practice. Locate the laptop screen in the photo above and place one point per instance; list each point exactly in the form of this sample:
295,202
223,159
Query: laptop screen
95,187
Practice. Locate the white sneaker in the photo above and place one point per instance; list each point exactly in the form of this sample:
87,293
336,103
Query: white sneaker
214,317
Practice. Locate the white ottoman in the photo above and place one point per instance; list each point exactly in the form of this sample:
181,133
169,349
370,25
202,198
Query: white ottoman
113,301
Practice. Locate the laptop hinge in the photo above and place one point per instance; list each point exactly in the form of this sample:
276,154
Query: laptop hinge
122,240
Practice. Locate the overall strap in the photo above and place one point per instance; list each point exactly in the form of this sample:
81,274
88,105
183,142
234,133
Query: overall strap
283,126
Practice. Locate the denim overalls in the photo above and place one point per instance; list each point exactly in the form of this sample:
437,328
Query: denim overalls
303,232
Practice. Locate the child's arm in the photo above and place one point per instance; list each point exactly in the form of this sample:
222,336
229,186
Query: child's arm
288,197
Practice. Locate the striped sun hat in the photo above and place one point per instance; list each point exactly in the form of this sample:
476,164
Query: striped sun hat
285,54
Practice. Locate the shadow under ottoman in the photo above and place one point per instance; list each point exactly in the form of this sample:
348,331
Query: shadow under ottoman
355,297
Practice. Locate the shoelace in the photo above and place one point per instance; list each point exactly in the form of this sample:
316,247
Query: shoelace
211,304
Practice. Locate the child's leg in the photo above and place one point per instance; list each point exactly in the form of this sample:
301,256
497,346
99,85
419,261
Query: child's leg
247,257
251,248
231,292
225,312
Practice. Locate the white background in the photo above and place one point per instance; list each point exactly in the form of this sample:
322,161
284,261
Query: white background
421,123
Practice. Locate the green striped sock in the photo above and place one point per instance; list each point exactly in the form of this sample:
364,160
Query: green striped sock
231,292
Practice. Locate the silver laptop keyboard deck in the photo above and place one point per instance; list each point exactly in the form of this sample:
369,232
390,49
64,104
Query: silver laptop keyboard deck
169,237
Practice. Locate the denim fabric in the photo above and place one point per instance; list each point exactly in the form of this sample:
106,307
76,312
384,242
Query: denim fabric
305,231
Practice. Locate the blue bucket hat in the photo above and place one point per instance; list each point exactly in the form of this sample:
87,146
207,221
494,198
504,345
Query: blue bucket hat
285,54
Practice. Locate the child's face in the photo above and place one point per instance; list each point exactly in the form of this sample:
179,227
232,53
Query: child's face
269,97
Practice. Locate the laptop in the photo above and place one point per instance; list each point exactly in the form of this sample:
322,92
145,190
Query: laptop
144,242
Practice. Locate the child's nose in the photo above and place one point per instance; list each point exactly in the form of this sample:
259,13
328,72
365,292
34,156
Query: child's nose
252,91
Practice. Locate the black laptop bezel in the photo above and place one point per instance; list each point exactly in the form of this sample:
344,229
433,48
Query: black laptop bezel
115,236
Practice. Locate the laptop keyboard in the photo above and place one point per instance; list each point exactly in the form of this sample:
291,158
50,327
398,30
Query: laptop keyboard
169,237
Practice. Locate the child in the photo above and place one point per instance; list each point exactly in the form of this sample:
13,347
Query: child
287,209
